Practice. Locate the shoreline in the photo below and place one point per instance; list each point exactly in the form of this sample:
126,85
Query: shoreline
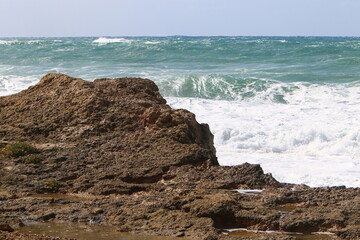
115,153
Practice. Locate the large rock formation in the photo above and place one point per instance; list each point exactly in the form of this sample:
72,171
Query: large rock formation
110,130
119,155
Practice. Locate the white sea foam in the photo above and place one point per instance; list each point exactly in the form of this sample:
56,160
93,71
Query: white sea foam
313,139
12,84
12,42
34,41
8,42
152,42
104,40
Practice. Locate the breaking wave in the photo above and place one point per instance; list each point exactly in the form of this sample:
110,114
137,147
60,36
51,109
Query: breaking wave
104,40
291,104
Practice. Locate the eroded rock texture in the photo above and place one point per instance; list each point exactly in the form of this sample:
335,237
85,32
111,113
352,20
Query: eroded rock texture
115,153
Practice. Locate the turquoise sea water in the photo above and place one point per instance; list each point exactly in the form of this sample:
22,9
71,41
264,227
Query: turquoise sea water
207,67
291,104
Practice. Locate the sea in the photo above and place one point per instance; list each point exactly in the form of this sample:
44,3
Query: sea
290,104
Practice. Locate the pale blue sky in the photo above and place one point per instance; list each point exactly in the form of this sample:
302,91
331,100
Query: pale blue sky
33,18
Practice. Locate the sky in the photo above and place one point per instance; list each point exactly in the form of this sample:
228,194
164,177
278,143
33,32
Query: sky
56,18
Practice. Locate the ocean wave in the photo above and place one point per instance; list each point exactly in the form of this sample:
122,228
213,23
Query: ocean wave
8,42
103,40
286,106
34,41
152,42
11,84
20,42
315,140
250,89
226,87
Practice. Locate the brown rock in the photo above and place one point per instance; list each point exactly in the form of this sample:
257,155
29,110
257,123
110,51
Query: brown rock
117,154
117,129
350,233
6,228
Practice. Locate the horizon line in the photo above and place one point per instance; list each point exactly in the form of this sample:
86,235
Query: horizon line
164,36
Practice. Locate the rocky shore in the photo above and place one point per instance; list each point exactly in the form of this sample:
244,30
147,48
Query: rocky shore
111,152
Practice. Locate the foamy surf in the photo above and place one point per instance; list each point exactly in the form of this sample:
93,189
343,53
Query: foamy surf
152,42
104,40
314,139
8,42
12,84
290,104
14,42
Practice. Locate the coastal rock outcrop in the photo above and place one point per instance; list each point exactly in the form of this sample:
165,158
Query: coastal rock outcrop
112,152
93,133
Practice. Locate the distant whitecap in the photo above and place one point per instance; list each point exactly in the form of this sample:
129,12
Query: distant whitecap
103,40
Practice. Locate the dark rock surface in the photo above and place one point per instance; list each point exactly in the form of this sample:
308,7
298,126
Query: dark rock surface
93,133
18,236
116,154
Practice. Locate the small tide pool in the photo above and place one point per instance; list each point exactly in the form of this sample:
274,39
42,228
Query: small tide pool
82,231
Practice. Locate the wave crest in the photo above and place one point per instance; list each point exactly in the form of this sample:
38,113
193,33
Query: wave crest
103,40
11,83
20,42
226,87
314,139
